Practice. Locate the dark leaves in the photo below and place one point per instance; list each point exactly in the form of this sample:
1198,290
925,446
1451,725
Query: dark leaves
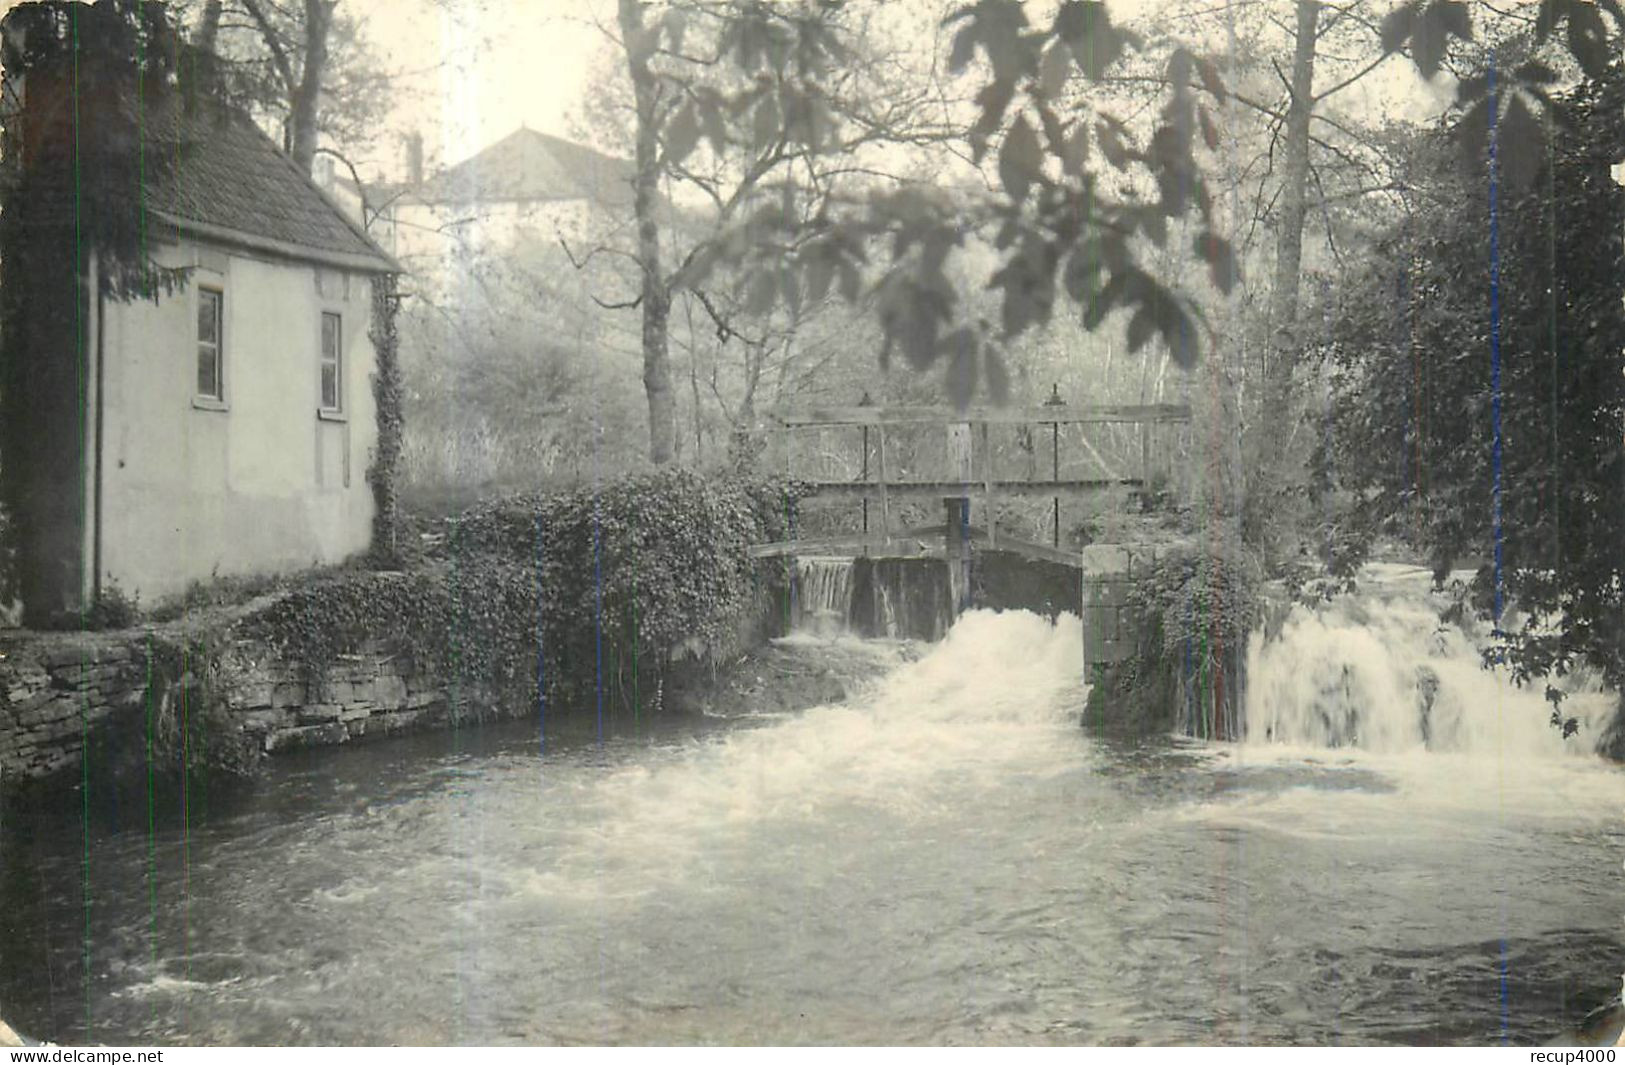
1179,69
1021,160
761,292
1154,224
766,123
1398,26
993,99
1472,133
1428,27
996,27
1092,39
1520,139
1028,284
1110,138
1210,134
1141,328
1534,72
1546,19
1520,144
851,281
1454,17
820,274
1210,78
1588,38
675,23
913,312
1221,260
682,134
1428,43
1054,68
1075,153
1079,277
963,51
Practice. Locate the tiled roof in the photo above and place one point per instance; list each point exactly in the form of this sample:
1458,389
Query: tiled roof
229,181
527,165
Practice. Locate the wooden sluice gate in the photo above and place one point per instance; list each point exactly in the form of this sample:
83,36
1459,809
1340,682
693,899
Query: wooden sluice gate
970,479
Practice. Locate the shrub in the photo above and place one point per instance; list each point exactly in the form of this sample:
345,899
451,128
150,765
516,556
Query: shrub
576,594
113,608
1197,612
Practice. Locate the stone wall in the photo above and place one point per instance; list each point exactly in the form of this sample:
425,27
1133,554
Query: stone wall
58,690
53,689
371,693
1111,621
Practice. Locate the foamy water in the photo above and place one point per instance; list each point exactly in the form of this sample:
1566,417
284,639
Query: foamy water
1379,671
947,858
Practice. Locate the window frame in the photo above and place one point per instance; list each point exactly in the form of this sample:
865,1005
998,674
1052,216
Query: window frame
215,400
335,412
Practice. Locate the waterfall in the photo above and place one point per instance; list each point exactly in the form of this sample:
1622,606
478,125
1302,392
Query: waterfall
823,595
1379,670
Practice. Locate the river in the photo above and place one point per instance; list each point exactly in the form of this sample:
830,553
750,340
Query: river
947,858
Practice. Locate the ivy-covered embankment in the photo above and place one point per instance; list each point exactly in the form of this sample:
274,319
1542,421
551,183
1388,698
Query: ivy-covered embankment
614,601
1196,609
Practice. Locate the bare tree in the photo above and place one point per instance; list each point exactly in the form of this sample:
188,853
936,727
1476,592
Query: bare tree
301,65
764,113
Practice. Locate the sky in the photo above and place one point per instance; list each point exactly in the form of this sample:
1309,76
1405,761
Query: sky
483,68
479,69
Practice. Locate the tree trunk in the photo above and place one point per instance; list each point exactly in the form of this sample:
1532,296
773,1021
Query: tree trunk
1289,237
305,105
1263,516
638,41
209,26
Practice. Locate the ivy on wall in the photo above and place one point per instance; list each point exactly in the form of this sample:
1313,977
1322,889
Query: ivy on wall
585,595
1196,614
388,397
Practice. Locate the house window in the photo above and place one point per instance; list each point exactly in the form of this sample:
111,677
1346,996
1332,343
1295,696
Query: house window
211,364
332,362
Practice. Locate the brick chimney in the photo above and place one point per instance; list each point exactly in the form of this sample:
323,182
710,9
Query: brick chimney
414,158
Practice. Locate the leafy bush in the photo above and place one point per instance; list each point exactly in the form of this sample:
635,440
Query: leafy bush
216,592
586,592
113,608
1196,614
1519,470
475,621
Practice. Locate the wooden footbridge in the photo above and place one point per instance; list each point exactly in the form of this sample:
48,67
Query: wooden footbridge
1100,597
974,474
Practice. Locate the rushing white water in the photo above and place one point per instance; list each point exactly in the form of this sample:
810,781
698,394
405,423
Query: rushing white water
823,594
1380,671
957,718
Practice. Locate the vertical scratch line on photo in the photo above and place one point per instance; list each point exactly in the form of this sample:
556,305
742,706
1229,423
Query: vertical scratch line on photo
541,646
152,835
598,588
79,310
1495,452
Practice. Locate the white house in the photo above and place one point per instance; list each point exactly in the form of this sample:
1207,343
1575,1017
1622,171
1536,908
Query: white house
528,186
226,427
